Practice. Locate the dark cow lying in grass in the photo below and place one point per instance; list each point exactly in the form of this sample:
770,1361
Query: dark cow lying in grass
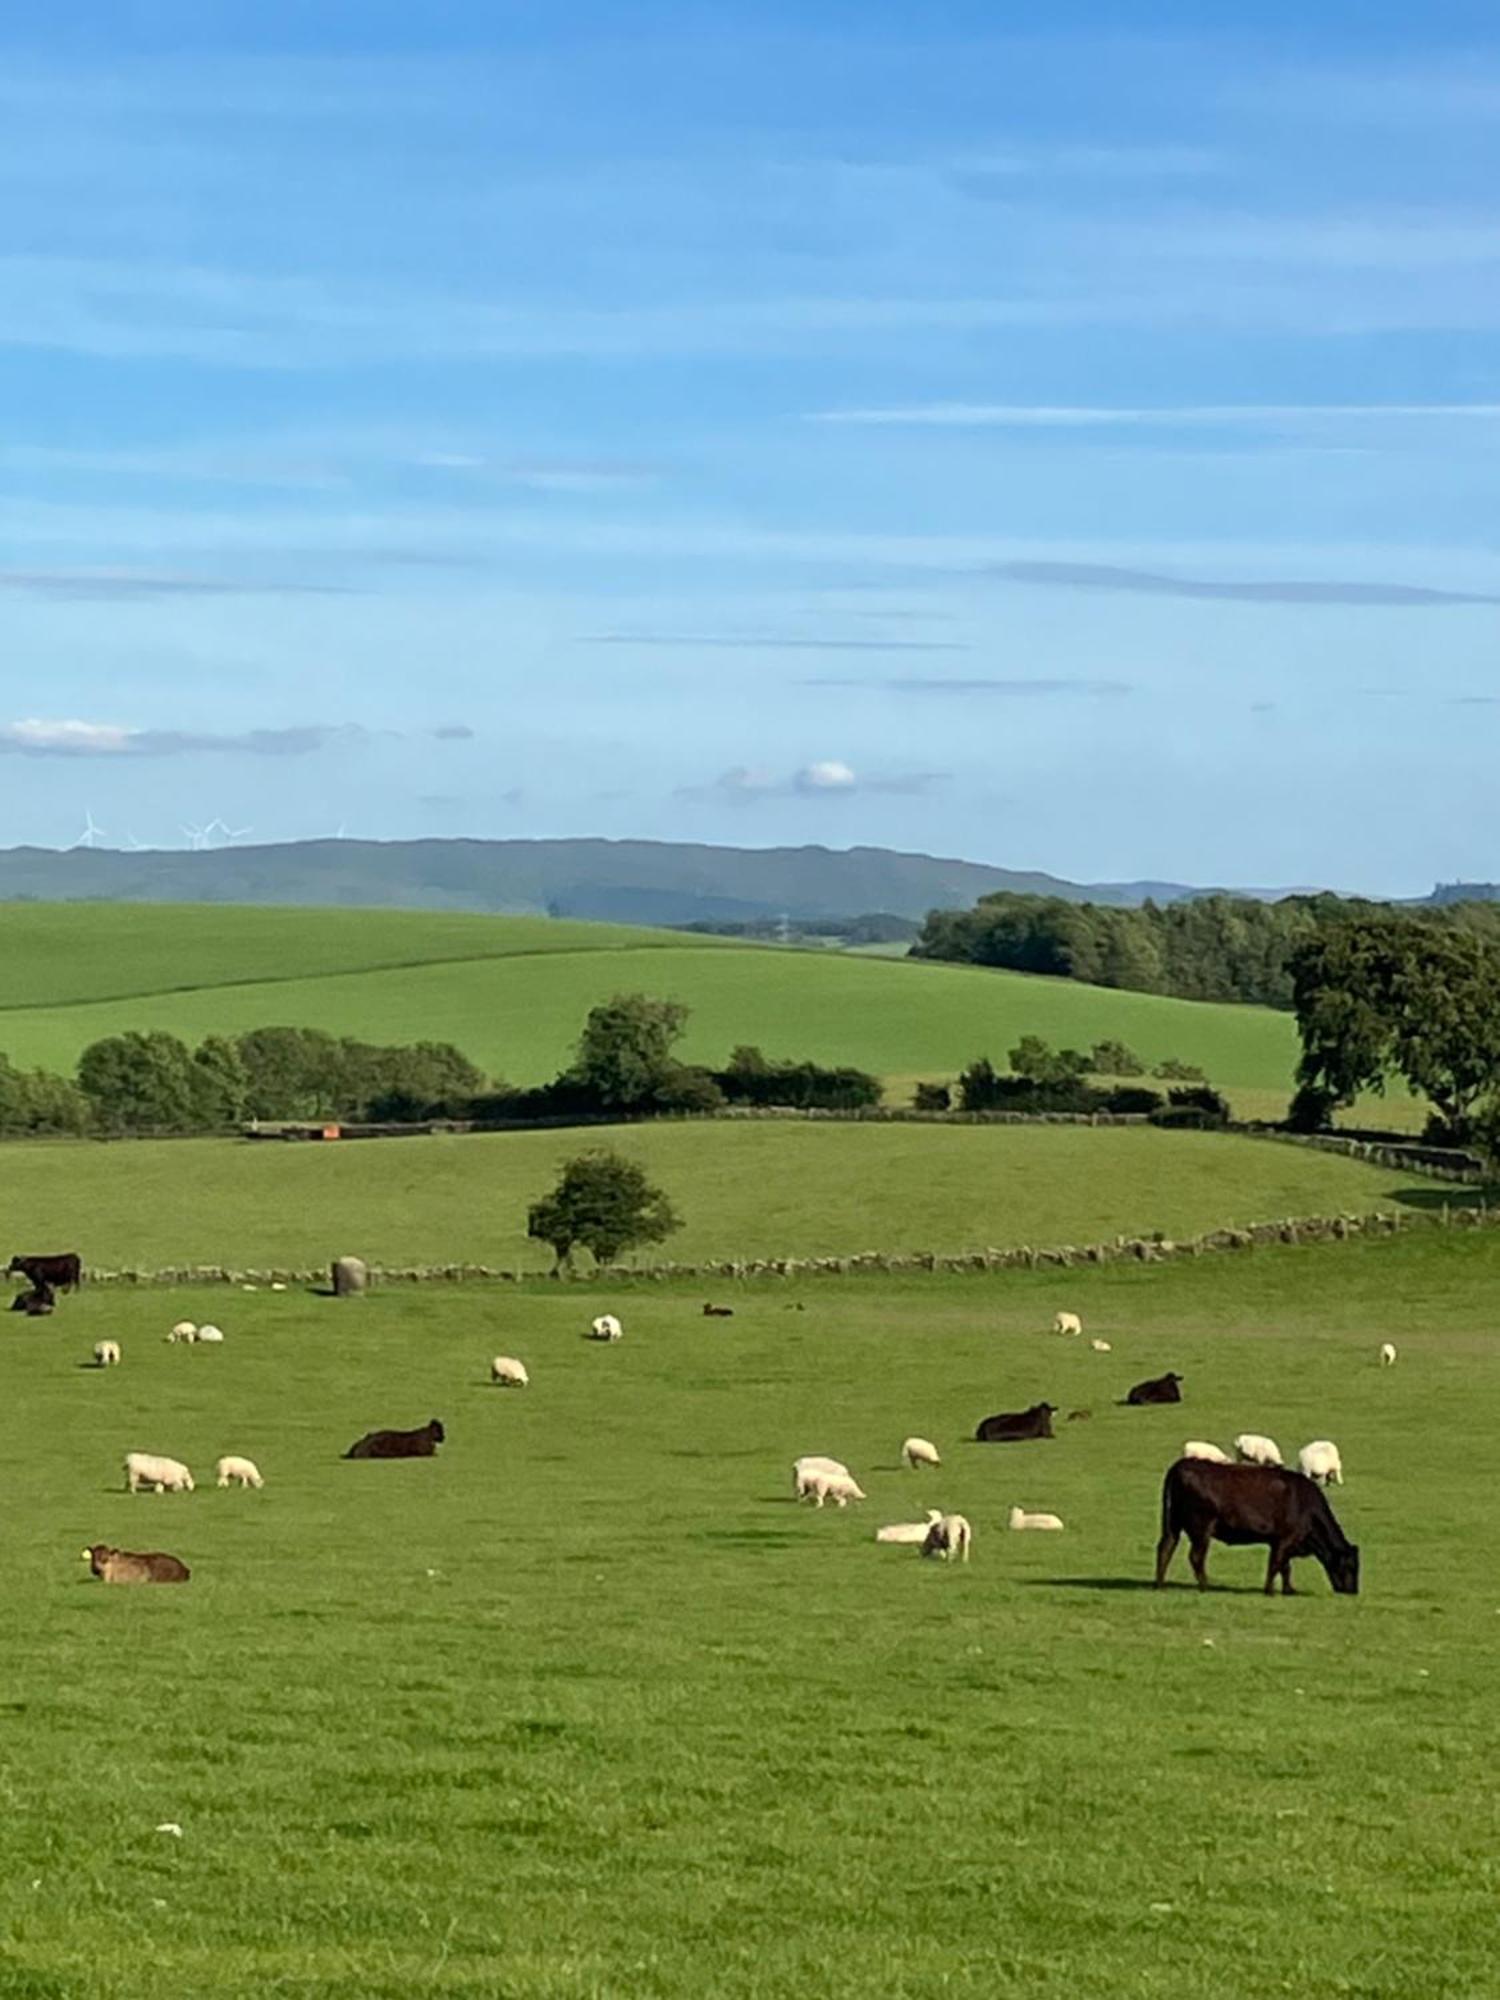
40,1299
1011,1426
121,1566
1160,1389
65,1270
399,1444
1243,1504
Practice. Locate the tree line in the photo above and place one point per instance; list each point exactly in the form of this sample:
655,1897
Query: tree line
1205,948
625,1065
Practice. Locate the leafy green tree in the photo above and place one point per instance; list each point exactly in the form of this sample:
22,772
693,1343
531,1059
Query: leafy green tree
139,1083
979,1087
35,1101
221,1083
624,1059
294,1073
1114,1058
604,1204
1172,1070
1040,1063
932,1097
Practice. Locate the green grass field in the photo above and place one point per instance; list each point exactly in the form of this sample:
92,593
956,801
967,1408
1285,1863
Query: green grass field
744,1189
513,992
587,1707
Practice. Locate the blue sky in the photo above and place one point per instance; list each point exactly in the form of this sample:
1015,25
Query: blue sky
1068,446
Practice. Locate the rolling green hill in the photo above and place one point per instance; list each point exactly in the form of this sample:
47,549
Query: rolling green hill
744,1189
512,992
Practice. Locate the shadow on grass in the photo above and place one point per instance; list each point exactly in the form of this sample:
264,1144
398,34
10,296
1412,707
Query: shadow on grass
1429,1197
1139,1583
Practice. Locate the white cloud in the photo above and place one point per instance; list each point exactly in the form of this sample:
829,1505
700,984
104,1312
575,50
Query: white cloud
828,776
1043,416
35,737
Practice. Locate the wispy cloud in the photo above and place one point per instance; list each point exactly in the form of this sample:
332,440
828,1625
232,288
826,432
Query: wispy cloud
454,732
771,642
104,584
978,686
38,738
827,778
1292,590
1103,416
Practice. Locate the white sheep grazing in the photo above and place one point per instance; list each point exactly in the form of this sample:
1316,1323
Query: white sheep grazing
1196,1448
106,1353
1252,1449
1388,1354
211,1334
1067,1323
949,1536
1020,1519
166,1475
1320,1461
606,1327
839,1487
805,1470
185,1329
238,1472
508,1373
915,1532
1101,1347
919,1451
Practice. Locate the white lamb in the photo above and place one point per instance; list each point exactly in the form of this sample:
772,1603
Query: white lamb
1252,1449
211,1334
839,1487
1320,1461
185,1329
1020,1519
106,1353
910,1531
165,1475
1388,1354
805,1470
1067,1323
948,1537
238,1472
606,1327
1101,1346
1196,1448
918,1451
508,1373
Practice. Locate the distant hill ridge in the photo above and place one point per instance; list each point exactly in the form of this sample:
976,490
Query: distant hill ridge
620,881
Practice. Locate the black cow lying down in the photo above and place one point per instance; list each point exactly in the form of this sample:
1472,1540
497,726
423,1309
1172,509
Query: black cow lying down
1243,1504
1160,1389
399,1444
40,1299
1012,1426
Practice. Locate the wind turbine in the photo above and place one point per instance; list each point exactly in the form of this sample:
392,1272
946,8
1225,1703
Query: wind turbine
197,837
228,833
91,834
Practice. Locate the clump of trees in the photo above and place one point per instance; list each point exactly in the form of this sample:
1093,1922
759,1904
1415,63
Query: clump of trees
1041,1078
602,1203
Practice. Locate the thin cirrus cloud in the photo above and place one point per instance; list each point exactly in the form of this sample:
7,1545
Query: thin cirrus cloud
135,584
1289,590
769,642
826,778
938,685
1089,416
37,738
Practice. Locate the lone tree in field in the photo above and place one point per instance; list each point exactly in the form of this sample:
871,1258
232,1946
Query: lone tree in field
605,1204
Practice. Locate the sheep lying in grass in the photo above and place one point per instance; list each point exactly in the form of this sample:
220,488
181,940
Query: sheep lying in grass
919,1451
1101,1347
1019,1519
164,1475
1320,1461
185,1329
911,1532
106,1354
1250,1448
839,1487
508,1373
238,1472
121,1566
1388,1354
1198,1448
1067,1323
606,1327
949,1537
211,1335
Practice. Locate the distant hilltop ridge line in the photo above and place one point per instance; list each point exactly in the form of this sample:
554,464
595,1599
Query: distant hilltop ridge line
619,881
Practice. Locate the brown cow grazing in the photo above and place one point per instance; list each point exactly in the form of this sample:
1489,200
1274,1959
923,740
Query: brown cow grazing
399,1444
1241,1504
120,1566
65,1270
1011,1426
1160,1389
718,1312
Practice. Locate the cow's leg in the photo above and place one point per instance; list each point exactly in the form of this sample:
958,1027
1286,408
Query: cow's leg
1166,1548
1198,1557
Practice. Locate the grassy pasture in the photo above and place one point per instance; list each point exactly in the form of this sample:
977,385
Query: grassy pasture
513,992
745,1189
586,1707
